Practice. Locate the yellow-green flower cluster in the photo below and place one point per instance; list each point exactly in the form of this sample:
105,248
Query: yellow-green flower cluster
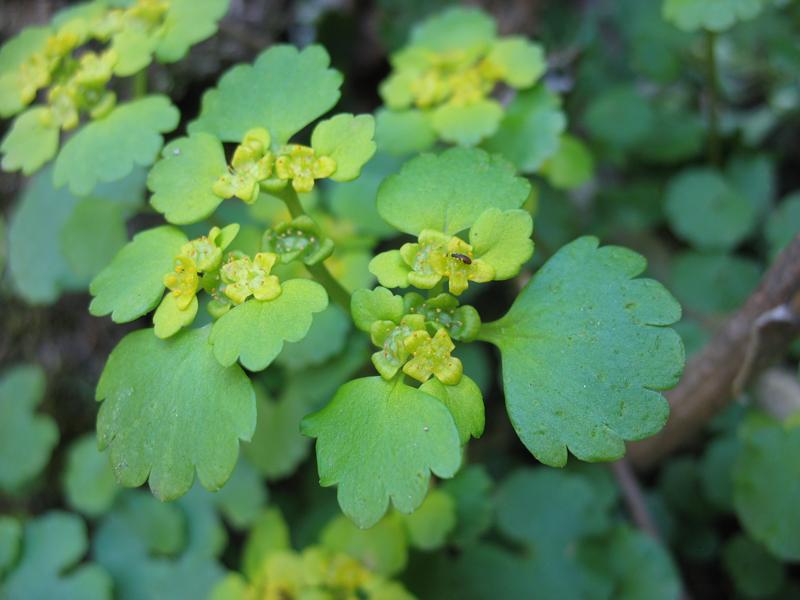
243,277
196,257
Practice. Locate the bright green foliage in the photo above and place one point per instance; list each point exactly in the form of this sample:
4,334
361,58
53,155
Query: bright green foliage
13,54
382,548
429,525
380,441
30,143
448,192
728,280
584,348
783,224
347,140
446,75
706,211
531,129
52,546
714,15
283,91
471,489
95,153
21,390
243,497
254,332
401,132
10,538
181,181
187,22
169,408
755,572
325,339
94,232
132,285
571,166
620,117
767,486
465,403
502,239
89,482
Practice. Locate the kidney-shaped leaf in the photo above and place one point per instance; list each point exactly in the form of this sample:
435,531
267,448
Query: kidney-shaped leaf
380,440
714,15
169,407
584,347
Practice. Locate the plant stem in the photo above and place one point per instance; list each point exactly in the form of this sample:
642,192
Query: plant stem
140,84
320,272
712,81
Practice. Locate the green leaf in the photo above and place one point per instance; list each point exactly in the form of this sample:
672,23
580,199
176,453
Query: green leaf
347,139
714,15
766,487
269,534
52,547
186,23
170,408
97,152
469,124
10,539
13,54
325,338
89,483
706,211
470,489
754,571
519,62
390,269
531,129
716,468
30,143
37,265
135,48
169,318
619,117
713,283
382,548
429,526
753,176
503,240
675,135
93,233
182,180
571,166
21,391
455,29
402,132
783,224
380,441
465,403
368,306
584,348
242,499
132,285
449,191
254,332
284,90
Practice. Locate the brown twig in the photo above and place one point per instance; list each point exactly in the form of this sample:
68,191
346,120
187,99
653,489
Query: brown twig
634,498
749,341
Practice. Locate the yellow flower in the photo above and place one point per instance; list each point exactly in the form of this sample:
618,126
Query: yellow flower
244,277
431,356
183,281
251,164
302,166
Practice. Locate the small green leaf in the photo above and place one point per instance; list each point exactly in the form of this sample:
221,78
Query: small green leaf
269,534
186,23
135,48
531,129
465,403
169,318
169,407
619,117
754,571
783,224
89,482
347,139
519,62
10,539
132,285
766,486
706,211
470,489
183,179
584,347
469,124
96,153
380,441
325,338
93,233
13,54
455,29
429,526
503,240
30,143
390,269
714,15
254,332
242,499
382,548
52,547
449,191
402,132
284,90
21,391
368,306
713,282
571,166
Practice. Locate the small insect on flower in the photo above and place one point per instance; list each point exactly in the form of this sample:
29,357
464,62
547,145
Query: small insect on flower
462,257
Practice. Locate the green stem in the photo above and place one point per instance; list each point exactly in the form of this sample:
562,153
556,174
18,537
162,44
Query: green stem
140,84
712,81
320,272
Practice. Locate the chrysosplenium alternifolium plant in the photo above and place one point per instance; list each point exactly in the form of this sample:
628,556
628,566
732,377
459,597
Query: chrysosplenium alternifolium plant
585,347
